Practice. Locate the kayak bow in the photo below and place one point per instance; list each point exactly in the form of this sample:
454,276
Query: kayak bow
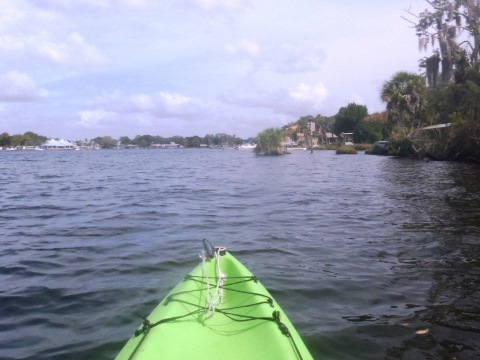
220,310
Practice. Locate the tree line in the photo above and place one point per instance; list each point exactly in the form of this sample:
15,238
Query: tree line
27,139
210,140
144,141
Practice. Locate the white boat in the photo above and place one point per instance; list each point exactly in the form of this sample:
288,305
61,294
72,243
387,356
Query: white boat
246,147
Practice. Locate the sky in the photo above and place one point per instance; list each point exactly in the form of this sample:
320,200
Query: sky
78,69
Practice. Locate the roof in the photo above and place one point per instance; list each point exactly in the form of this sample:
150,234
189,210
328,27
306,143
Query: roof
377,117
439,126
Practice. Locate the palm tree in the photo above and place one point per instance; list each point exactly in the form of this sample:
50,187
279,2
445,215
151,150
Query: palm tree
404,94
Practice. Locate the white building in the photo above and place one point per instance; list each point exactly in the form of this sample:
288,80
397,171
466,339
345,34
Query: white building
55,144
172,145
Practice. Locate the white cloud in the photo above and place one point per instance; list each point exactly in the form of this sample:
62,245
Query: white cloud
69,3
30,33
246,46
291,58
11,43
77,46
72,50
118,102
284,58
358,99
9,16
136,3
309,93
16,86
142,102
90,4
174,103
305,99
211,4
92,118
125,112
160,104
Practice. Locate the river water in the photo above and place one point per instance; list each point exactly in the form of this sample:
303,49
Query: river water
371,257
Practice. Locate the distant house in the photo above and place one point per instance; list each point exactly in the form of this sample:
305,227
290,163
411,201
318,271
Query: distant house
330,138
130,146
300,137
288,142
56,144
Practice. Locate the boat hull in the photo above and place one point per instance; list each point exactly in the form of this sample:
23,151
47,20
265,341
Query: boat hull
247,324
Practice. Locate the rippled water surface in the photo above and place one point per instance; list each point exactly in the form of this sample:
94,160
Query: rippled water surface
362,252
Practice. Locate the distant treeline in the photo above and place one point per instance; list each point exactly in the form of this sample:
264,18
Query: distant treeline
145,141
189,141
27,139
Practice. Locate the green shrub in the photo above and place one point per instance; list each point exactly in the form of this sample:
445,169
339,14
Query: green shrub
269,142
401,144
362,147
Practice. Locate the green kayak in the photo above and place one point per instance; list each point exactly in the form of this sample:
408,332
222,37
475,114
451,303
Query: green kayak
219,311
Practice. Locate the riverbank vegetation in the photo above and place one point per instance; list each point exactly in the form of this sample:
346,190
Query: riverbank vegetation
437,114
27,139
349,150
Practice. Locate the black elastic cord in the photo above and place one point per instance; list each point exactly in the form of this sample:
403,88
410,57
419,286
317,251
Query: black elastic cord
147,325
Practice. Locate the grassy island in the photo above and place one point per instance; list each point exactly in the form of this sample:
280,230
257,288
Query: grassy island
269,142
350,150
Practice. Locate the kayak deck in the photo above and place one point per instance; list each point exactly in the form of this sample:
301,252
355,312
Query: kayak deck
220,310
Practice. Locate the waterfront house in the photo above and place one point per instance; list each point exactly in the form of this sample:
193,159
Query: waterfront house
330,138
58,144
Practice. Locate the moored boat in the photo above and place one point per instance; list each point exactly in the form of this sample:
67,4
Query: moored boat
246,147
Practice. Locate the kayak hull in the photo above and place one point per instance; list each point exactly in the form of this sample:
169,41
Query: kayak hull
244,322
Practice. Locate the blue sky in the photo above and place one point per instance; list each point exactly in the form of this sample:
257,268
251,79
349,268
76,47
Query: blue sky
79,69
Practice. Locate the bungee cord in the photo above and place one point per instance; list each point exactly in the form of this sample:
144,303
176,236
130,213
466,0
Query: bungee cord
215,301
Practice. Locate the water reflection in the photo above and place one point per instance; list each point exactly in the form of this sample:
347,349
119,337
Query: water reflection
443,227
